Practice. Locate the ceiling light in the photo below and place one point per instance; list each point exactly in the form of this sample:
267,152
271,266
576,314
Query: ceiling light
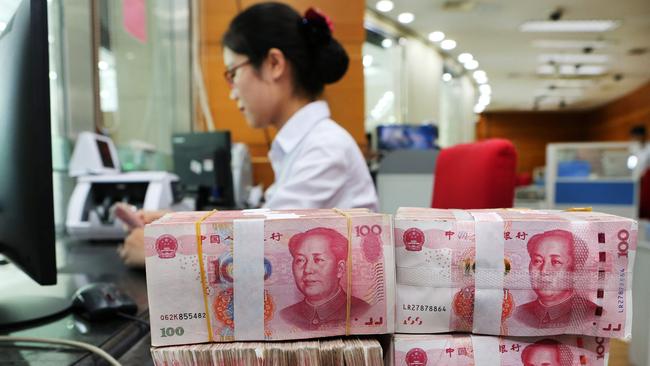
573,58
584,70
436,36
387,43
405,18
485,89
479,74
546,69
569,83
471,65
561,92
484,99
568,44
448,44
464,57
384,6
446,76
367,60
569,26
479,108
571,70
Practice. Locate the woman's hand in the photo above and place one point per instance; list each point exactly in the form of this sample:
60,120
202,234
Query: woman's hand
132,250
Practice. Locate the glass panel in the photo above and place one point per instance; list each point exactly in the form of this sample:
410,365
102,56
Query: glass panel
381,62
592,160
144,77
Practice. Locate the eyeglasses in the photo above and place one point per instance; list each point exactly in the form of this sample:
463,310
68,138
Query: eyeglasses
229,74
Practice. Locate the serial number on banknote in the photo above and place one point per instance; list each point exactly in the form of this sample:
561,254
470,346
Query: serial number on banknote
182,316
423,307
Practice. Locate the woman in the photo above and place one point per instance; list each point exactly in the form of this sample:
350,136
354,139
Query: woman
277,64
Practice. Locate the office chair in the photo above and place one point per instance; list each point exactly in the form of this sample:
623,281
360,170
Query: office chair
476,175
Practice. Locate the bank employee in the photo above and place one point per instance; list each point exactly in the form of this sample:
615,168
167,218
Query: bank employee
278,63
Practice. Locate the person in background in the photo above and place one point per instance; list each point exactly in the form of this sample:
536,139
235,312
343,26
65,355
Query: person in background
277,64
640,159
639,162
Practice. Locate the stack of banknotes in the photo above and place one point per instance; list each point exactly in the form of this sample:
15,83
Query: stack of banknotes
330,352
269,275
564,278
523,287
474,350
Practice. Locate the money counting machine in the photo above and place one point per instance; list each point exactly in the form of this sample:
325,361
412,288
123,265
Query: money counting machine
101,184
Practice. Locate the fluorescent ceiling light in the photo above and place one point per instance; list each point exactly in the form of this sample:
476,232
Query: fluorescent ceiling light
485,89
405,18
436,36
573,93
448,44
385,6
569,83
387,43
569,44
471,65
479,74
464,57
569,26
574,58
571,70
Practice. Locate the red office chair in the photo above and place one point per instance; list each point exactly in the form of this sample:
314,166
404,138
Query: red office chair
476,175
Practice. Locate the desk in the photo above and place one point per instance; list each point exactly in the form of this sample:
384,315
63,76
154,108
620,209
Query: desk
124,339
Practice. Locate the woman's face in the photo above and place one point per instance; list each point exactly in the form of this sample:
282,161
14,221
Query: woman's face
252,89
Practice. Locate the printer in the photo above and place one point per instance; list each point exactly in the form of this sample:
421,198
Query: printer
101,184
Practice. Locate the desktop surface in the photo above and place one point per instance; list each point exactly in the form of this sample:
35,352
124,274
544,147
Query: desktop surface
82,263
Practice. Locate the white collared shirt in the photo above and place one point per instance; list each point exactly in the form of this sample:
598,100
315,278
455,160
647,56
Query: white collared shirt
317,164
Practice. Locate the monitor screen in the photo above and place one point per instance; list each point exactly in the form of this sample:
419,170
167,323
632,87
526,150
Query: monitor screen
416,137
105,153
26,196
202,162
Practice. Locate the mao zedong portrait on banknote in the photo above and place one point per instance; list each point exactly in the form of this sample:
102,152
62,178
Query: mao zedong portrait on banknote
319,264
555,256
546,352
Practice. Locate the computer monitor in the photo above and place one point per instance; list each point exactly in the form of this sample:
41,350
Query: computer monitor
403,136
27,235
202,162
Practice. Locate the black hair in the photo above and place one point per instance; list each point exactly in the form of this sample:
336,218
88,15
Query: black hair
315,56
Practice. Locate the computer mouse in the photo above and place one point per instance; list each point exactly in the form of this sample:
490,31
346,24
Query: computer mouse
102,300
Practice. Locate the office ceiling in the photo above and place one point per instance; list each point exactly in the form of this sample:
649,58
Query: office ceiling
490,31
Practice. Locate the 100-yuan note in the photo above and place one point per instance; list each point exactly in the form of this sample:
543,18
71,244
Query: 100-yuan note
514,272
472,350
269,275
